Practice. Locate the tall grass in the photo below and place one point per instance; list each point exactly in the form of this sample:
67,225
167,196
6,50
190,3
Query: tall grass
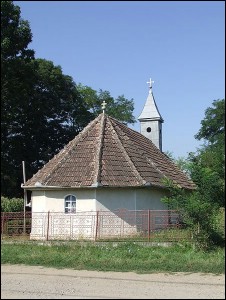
128,256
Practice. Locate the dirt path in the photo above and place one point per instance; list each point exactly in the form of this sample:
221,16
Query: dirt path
27,282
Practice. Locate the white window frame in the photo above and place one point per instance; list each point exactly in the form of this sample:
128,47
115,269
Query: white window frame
70,204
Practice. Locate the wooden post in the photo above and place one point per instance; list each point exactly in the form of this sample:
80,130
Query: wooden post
3,216
47,234
25,196
96,231
149,225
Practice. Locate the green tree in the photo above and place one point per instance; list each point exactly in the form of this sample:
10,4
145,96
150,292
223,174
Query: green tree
15,34
212,154
197,209
200,208
41,109
15,69
55,113
213,125
119,108
50,114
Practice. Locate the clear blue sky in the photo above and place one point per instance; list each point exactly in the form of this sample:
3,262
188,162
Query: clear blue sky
118,45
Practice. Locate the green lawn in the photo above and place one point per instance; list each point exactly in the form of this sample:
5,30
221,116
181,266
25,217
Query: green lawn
121,256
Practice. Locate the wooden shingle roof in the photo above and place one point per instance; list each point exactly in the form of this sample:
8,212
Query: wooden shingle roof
108,153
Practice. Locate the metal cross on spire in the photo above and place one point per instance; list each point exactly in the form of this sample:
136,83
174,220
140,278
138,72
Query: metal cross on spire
103,105
150,83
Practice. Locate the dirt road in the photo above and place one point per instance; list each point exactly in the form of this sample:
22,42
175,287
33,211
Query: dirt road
26,282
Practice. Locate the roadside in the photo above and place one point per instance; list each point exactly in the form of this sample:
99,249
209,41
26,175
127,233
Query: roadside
36,282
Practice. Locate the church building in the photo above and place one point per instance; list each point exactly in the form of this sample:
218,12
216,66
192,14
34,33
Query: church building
106,167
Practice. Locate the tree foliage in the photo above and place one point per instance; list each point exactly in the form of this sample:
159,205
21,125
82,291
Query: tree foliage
198,211
41,108
15,69
212,132
213,125
206,168
119,108
15,33
48,114
212,155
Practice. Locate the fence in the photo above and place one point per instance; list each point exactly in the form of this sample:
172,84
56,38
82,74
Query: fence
159,225
15,223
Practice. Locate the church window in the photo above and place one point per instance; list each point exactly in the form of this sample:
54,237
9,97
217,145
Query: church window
149,129
70,204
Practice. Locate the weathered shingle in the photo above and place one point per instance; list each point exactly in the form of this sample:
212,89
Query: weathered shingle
108,153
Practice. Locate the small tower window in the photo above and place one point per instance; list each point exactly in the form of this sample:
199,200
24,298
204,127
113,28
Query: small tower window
149,129
70,204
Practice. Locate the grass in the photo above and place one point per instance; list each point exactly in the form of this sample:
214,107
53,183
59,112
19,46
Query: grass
124,256
162,235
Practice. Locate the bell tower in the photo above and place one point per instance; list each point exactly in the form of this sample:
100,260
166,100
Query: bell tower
151,120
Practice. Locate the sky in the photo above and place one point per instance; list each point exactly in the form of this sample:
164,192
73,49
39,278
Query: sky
117,46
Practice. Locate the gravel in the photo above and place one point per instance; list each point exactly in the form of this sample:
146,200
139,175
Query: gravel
36,282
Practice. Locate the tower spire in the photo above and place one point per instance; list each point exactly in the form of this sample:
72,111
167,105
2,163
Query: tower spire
151,120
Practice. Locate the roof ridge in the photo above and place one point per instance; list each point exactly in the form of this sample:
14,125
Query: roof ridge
71,144
141,150
137,174
62,153
149,160
99,151
174,169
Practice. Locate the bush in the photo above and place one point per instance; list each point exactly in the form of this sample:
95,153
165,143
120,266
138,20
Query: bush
12,205
199,211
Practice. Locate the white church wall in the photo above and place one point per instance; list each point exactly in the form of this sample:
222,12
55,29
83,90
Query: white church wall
115,198
38,201
135,201
130,199
58,224
111,202
149,198
53,200
113,222
100,213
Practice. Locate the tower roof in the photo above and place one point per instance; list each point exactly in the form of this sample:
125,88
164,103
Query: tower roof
108,153
150,110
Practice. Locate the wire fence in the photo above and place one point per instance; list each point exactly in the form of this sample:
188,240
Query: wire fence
136,225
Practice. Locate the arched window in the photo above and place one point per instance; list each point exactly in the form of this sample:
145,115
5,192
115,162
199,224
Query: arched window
70,204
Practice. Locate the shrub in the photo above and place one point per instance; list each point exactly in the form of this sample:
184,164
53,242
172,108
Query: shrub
12,205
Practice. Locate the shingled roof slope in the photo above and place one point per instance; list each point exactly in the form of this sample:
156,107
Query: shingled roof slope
108,153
